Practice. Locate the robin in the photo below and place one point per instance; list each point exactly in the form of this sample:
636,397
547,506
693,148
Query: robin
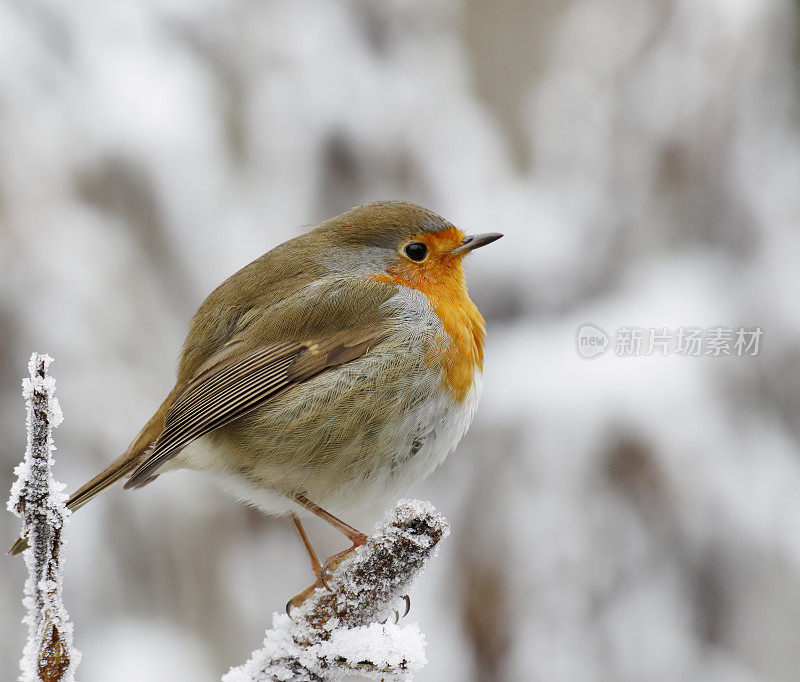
334,372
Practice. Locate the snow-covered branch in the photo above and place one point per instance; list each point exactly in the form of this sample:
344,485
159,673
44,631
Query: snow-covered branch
38,499
346,630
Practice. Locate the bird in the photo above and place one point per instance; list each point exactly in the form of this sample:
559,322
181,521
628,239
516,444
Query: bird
331,374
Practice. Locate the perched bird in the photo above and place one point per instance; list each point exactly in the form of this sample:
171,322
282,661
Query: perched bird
336,371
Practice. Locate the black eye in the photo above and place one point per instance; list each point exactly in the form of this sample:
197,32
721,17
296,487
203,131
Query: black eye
416,251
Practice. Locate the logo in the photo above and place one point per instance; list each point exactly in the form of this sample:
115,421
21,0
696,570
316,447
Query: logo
591,341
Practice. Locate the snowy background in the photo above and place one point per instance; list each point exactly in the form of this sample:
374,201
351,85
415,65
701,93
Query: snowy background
624,518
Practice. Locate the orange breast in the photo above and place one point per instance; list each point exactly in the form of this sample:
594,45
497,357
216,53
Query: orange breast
464,352
460,355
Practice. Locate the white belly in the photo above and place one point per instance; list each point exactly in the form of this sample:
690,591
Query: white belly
408,461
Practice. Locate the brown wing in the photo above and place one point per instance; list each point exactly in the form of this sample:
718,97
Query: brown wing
228,387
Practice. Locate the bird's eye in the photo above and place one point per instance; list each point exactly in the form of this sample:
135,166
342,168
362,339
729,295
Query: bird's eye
416,251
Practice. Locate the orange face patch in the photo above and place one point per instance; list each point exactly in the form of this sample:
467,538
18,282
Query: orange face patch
440,276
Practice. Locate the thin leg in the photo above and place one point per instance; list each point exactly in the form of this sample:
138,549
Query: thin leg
316,566
356,537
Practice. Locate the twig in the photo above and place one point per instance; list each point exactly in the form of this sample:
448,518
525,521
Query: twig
342,631
38,499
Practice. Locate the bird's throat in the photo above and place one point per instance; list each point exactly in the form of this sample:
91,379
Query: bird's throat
460,355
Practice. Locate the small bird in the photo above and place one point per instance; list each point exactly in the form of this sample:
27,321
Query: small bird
334,372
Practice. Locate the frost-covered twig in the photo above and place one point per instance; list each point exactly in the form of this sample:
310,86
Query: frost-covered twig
342,631
38,499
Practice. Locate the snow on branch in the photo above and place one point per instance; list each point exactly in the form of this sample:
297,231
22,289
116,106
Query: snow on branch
345,631
38,499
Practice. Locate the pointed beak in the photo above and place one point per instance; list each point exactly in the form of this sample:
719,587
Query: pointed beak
475,241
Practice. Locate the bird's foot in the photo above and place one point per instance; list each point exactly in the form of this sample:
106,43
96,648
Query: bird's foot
298,599
327,568
332,563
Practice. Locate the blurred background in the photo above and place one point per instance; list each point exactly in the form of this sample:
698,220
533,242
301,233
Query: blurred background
621,518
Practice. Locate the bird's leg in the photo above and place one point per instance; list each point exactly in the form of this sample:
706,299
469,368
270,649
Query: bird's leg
315,566
312,555
356,537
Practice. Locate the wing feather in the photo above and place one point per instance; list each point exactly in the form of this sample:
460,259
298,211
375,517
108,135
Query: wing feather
234,383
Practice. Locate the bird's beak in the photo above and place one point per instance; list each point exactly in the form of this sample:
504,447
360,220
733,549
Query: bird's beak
475,241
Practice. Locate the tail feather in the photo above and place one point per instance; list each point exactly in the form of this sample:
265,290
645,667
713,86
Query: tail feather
116,470
111,474
121,466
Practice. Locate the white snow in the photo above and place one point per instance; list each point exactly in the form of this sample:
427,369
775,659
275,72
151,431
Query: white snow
396,651
38,499
387,645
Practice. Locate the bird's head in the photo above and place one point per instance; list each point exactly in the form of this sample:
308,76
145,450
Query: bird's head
400,242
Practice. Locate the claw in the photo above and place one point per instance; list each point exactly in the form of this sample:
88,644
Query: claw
407,600
322,573
299,599
396,616
332,563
